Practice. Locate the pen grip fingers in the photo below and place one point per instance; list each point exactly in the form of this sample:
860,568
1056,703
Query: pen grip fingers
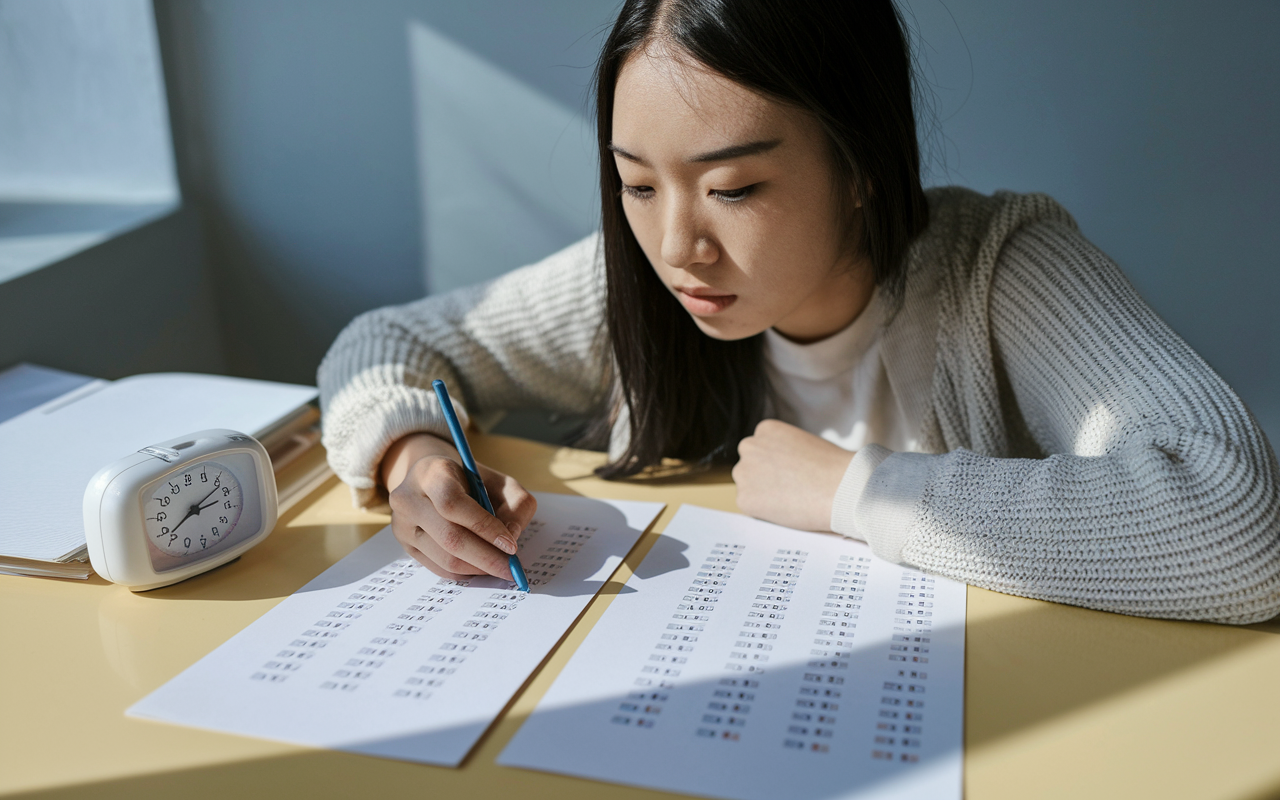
433,512
457,549
417,555
455,505
513,504
446,485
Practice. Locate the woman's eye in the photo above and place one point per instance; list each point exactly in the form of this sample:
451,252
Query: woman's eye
638,192
733,195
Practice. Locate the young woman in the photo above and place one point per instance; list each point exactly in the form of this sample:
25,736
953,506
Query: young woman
962,381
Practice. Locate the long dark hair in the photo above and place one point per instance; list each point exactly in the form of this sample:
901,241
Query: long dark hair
690,396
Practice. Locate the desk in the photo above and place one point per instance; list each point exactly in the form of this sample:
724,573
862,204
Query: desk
1060,702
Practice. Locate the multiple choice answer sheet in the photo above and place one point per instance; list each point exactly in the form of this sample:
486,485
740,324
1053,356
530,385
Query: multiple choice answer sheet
755,661
379,656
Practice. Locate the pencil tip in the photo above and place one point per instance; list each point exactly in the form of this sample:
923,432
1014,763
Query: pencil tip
517,572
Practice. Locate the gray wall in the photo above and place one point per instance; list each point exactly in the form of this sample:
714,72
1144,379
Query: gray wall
315,139
1155,124
300,140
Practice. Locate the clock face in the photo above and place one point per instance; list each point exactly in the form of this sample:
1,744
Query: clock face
193,510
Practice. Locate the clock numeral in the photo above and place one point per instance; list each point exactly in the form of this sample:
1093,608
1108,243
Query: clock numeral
186,542
161,516
204,478
173,488
215,531
173,537
203,543
164,501
223,520
227,504
163,531
186,479
226,490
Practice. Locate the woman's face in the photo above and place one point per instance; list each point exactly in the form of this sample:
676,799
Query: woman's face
730,196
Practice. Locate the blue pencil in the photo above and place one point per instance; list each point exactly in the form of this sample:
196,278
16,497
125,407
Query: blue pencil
473,472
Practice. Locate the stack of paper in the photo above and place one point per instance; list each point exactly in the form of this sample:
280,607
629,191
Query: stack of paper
51,451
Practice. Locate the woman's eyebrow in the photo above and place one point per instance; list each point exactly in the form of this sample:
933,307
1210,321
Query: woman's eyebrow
723,154
628,155
736,151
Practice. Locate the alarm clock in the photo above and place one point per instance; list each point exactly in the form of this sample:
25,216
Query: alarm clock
179,508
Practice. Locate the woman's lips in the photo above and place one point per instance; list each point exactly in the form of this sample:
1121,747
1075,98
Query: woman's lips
703,303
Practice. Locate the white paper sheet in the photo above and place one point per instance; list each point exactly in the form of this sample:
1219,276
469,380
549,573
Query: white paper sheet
379,656
754,661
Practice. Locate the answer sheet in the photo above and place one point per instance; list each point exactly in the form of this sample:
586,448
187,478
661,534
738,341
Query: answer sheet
379,656
752,661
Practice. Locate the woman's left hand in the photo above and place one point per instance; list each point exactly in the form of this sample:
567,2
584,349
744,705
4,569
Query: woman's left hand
788,476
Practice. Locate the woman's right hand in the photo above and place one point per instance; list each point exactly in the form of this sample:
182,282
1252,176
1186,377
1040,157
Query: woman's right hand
436,520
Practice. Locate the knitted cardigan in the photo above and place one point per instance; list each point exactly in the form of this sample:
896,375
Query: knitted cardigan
1074,448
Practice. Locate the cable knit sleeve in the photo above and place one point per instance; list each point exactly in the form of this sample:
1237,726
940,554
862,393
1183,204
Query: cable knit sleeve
529,339
1153,493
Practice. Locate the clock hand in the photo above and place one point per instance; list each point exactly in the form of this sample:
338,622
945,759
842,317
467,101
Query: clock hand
195,509
196,505
191,512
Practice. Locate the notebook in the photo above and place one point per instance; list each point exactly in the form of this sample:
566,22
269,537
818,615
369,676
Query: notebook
51,451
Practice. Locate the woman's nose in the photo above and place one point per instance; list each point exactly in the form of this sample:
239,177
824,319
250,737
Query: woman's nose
685,240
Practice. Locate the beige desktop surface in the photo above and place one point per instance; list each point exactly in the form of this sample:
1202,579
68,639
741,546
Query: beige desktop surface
1060,702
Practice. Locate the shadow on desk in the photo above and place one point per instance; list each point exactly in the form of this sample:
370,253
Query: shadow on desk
277,568
1049,659
1027,666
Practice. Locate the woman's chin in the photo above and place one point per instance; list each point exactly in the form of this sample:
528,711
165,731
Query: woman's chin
725,328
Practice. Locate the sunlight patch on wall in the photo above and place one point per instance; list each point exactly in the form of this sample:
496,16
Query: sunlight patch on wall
507,174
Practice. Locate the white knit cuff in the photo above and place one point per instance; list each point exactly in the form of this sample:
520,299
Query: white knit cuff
852,486
369,431
887,506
